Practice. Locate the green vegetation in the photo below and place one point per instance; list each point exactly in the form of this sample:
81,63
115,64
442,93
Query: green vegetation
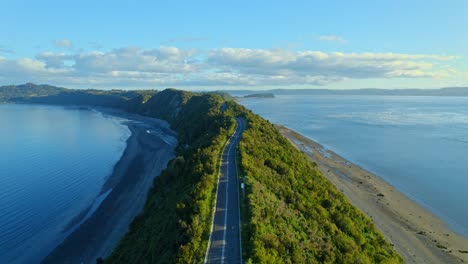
112,98
175,224
46,94
294,214
291,213
225,95
13,93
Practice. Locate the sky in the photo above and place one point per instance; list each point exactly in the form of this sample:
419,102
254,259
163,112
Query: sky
215,45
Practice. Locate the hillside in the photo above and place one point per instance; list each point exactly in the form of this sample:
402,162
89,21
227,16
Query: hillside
174,226
47,94
13,93
291,213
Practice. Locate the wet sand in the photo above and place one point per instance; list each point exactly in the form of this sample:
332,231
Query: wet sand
416,234
149,148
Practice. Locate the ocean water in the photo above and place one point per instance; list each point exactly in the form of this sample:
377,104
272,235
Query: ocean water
417,144
53,163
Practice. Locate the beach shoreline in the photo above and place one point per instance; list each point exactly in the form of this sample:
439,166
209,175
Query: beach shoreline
150,147
416,234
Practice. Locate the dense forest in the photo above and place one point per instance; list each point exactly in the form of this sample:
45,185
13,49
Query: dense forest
291,213
175,224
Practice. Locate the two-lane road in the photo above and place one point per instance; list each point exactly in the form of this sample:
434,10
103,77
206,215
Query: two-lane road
225,241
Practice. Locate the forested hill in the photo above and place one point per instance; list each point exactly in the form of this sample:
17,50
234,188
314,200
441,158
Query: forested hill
46,94
291,213
10,93
175,224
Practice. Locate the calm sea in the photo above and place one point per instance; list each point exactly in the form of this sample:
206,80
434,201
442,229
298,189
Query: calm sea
417,144
53,163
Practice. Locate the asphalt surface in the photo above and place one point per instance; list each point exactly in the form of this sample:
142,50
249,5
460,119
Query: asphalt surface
225,241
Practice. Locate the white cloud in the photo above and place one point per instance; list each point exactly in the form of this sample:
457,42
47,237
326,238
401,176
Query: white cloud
326,65
63,43
172,66
161,60
30,70
331,38
54,60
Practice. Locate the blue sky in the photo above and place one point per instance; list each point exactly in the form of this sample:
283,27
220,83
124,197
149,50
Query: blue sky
242,44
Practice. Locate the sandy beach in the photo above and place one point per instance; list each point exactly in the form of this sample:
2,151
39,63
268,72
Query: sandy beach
149,148
416,234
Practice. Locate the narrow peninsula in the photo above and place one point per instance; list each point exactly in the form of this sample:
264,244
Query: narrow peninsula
290,212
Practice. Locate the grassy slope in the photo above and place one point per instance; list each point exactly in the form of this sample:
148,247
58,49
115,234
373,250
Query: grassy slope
294,214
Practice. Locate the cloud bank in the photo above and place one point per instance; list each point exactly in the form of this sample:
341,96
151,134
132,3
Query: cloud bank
172,66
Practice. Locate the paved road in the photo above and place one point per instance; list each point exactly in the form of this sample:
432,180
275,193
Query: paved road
224,245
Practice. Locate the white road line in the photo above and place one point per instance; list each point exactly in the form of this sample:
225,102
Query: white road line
238,201
225,218
216,200
227,197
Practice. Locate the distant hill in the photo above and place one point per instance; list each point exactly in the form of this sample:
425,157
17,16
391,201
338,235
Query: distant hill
260,95
225,95
449,91
47,94
14,92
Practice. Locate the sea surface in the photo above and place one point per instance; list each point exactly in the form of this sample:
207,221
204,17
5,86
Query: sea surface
417,144
53,163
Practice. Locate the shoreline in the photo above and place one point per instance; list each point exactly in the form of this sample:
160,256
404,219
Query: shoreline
416,234
150,146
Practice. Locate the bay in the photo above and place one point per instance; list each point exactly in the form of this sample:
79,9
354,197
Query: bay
53,163
417,144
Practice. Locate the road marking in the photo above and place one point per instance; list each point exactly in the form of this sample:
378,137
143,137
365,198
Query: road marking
227,197
225,218
234,136
238,198
216,202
